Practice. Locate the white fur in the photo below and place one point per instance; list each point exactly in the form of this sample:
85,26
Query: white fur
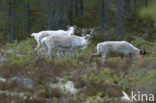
116,48
39,36
36,37
70,43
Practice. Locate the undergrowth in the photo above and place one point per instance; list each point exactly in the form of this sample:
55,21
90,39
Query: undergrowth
22,55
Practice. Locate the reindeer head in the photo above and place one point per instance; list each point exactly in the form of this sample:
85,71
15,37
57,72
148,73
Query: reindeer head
89,36
33,34
143,52
71,27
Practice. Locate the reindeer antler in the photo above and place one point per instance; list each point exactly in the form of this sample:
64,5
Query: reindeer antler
92,31
83,32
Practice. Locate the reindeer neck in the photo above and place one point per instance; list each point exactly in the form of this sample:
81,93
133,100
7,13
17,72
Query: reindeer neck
69,32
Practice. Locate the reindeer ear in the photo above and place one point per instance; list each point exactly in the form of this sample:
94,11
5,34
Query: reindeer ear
143,52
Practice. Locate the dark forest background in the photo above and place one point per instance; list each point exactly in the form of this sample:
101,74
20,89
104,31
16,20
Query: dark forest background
20,18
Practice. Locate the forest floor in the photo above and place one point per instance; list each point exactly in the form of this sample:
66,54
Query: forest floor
25,77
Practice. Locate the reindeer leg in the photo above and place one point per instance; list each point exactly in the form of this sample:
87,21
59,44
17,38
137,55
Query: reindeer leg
59,53
104,57
38,46
49,52
52,55
45,51
93,56
72,53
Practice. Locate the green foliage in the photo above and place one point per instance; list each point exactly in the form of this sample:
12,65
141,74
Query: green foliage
144,79
150,81
140,42
20,54
91,48
98,99
149,13
130,81
69,61
105,76
54,100
23,54
150,47
95,99
87,21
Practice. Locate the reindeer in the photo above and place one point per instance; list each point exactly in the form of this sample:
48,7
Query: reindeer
117,48
70,43
39,36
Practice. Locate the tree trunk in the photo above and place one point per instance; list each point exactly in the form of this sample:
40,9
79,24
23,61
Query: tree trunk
103,13
70,11
26,21
117,25
11,21
127,8
81,8
120,29
134,5
51,15
146,3
76,8
61,21
122,21
108,20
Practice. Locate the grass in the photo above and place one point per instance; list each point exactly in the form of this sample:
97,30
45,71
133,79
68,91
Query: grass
99,82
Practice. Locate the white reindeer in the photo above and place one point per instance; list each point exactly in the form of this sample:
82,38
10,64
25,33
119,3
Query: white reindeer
116,48
70,43
39,36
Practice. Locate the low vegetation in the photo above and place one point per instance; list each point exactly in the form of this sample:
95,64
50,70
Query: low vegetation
94,83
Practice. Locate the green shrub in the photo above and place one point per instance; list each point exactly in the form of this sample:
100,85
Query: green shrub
149,13
105,76
150,47
144,79
150,81
20,54
129,81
